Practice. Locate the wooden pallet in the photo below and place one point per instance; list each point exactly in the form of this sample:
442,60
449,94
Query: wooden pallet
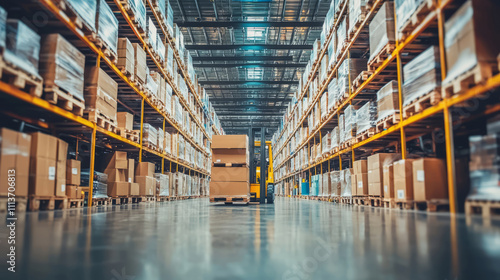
405,205
337,12
102,201
487,208
101,120
357,24
36,203
131,135
76,19
228,164
346,200
130,12
375,201
388,203
422,103
137,199
360,79
120,200
432,205
75,202
365,135
62,98
20,79
379,59
230,199
387,122
425,8
360,200
17,206
106,50
477,75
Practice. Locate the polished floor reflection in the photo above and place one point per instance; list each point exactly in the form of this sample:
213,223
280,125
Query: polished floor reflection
292,239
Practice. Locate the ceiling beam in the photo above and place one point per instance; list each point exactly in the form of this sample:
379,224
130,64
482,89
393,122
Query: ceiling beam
238,99
244,58
244,24
231,106
277,89
249,83
247,47
249,113
251,65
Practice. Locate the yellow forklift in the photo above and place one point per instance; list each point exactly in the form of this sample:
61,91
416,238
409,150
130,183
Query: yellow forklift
261,158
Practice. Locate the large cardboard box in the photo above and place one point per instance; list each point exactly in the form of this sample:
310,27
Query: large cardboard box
100,92
14,160
118,161
362,184
354,184
388,181
133,188
72,191
229,189
73,169
125,56
375,171
145,169
229,142
125,120
42,176
429,179
62,153
43,145
140,63
360,166
131,170
230,156
116,175
230,174
116,189
403,179
147,185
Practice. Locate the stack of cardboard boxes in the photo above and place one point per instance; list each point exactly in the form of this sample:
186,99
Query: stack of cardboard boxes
73,174
62,153
14,161
375,171
100,94
140,64
126,57
120,172
359,179
228,181
43,159
144,176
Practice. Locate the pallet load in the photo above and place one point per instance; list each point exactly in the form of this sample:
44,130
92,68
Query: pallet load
375,164
422,82
126,58
357,12
62,67
335,185
346,178
230,173
73,179
14,163
403,181
116,170
387,106
365,121
382,36
360,178
430,188
162,184
140,65
348,71
101,92
107,30
350,124
144,176
125,124
62,153
408,13
471,53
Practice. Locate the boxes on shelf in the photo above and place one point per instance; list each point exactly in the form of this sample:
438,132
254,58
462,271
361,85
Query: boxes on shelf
162,184
138,8
100,93
405,10
382,30
107,26
130,175
387,101
22,47
348,71
86,11
116,171
14,161
335,187
360,178
62,66
62,153
429,179
43,159
149,134
366,117
145,169
140,65
230,149
3,28
72,191
357,12
126,57
341,37
422,75
349,123
346,178
125,120
403,180
466,43
375,164
484,167
388,181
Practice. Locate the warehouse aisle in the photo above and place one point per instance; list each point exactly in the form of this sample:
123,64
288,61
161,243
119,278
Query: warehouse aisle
293,239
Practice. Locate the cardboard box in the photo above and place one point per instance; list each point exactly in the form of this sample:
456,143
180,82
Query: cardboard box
230,174
73,169
116,189
125,55
125,120
101,92
403,179
147,185
229,189
133,188
429,179
116,175
131,170
362,184
229,155
145,169
388,181
229,142
72,191
14,156
60,186
360,166
377,161
118,161
140,63
42,176
43,145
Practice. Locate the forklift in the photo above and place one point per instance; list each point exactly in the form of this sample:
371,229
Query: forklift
261,168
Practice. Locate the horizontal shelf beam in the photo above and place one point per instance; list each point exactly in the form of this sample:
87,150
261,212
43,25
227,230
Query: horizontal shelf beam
251,65
243,58
249,47
245,24
249,83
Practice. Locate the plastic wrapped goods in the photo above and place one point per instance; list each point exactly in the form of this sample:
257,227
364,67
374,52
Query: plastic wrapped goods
162,184
160,47
151,84
357,9
140,64
335,182
107,26
345,183
382,29
149,133
62,65
365,117
139,10
87,10
387,100
341,129
3,27
404,10
465,42
100,92
334,138
332,93
349,122
325,143
332,56
422,75
22,46
484,167
170,18
341,36
151,32
348,70
326,185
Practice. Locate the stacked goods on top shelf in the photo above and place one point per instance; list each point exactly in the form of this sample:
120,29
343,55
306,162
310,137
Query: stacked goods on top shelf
382,35
144,176
15,162
43,159
73,178
101,92
107,29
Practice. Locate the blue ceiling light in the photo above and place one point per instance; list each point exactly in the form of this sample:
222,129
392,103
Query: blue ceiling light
254,83
253,1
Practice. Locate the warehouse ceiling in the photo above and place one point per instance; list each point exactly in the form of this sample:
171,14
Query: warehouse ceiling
249,54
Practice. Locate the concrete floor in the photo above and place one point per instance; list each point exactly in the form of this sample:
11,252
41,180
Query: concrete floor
292,239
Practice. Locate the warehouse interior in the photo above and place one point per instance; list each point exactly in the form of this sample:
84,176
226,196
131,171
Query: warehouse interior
249,139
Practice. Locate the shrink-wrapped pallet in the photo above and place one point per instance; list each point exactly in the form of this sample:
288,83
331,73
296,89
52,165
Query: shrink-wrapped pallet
334,138
86,10
341,36
22,47
382,29
349,122
107,26
335,182
387,100
484,167
101,92
366,117
162,184
139,10
357,9
345,182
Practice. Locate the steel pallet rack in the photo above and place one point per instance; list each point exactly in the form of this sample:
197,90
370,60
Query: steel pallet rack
80,124
436,17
